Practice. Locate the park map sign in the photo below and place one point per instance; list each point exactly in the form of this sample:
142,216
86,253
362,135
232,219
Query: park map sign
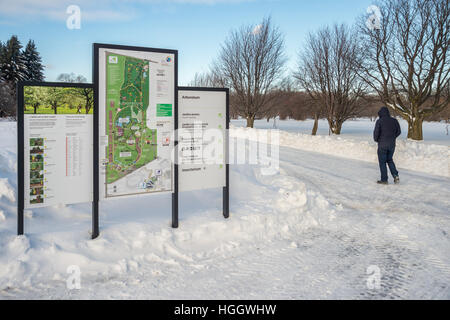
136,98
131,144
118,137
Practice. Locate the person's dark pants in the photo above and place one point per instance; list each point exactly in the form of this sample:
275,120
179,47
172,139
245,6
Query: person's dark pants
385,155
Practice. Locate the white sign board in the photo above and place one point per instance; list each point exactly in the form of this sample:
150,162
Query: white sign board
58,145
202,131
136,98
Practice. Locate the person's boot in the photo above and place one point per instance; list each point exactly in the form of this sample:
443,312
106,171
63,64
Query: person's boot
382,182
396,180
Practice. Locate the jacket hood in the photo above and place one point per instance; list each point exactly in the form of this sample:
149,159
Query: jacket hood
384,112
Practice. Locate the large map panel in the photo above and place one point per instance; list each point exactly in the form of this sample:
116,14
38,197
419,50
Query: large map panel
131,144
136,121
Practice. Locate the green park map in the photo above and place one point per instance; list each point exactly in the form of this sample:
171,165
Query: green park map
131,144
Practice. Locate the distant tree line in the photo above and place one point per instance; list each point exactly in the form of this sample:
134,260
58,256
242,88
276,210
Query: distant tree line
398,57
16,64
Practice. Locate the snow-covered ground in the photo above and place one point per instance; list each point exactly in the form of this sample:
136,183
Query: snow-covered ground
424,156
357,129
311,231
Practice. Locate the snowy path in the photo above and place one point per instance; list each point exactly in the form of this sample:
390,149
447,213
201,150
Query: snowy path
403,229
283,242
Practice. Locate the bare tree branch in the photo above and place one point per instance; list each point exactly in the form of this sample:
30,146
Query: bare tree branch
328,73
407,60
250,62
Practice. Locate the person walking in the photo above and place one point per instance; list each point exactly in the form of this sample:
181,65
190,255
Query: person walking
386,131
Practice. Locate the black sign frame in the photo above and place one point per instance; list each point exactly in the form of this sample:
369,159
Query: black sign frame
95,72
21,143
226,189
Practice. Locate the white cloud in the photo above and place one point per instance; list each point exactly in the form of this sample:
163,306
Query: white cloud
99,10
56,9
190,1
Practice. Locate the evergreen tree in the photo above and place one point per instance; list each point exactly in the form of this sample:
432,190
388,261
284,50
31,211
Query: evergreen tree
2,47
33,62
12,64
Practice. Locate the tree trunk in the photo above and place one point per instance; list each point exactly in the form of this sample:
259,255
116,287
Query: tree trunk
316,124
334,126
415,129
250,121
337,128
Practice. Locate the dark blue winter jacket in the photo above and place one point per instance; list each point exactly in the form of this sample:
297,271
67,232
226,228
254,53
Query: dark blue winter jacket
387,129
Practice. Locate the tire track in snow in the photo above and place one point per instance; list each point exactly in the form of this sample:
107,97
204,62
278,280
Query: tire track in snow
402,258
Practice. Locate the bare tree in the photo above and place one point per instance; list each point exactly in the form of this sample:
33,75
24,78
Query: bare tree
407,61
71,77
317,109
278,97
327,71
250,62
207,79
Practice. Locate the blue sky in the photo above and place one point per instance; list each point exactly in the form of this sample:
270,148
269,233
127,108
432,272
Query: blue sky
196,28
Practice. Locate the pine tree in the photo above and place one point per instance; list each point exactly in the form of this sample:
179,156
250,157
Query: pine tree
33,62
2,46
12,64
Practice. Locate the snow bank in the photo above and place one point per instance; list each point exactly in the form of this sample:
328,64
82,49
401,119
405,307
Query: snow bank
6,191
359,129
263,208
8,181
57,237
411,155
8,163
137,243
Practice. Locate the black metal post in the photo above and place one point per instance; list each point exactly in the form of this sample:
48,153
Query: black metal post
226,203
175,201
20,160
95,219
226,189
175,167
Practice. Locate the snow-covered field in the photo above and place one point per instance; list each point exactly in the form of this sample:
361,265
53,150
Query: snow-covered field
311,231
358,129
356,142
